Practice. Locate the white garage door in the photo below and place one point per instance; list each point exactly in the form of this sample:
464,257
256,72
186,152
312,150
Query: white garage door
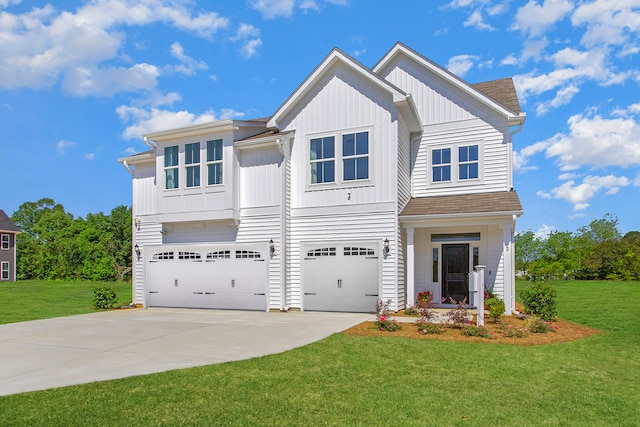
341,277
201,276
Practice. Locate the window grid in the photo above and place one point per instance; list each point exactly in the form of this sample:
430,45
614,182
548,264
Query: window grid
6,241
441,164
322,157
214,162
468,162
189,255
5,270
171,180
247,254
351,251
163,255
355,156
219,255
192,164
322,252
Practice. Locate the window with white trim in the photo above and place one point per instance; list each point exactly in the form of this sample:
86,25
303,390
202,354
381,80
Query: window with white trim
355,156
468,162
322,158
6,241
192,164
171,167
441,164
5,271
214,162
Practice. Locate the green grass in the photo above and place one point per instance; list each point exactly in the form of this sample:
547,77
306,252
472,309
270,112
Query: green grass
35,299
371,381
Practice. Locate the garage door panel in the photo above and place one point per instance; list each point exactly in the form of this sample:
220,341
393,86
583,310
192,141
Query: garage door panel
207,277
339,277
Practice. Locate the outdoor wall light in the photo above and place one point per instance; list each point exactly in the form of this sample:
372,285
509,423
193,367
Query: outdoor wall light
386,247
137,222
138,251
272,247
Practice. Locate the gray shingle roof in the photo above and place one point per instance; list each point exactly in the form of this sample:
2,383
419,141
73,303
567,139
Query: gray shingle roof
502,91
6,224
481,203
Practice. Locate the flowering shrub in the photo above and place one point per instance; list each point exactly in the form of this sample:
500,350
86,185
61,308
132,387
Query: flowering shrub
512,332
537,325
425,296
428,328
384,322
459,315
472,330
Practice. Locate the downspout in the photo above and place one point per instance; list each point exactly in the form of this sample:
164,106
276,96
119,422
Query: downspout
513,132
126,165
146,141
282,147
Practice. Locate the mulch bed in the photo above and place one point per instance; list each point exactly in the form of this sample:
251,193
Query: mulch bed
566,331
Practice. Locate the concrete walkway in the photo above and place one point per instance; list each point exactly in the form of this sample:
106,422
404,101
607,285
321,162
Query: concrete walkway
80,349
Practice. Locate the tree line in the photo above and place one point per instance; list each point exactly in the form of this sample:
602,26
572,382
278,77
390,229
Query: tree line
55,245
596,251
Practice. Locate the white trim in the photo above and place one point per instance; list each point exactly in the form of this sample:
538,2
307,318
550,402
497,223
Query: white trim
8,270
2,241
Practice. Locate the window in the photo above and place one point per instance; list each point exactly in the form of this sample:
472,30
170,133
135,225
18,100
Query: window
322,252
441,164
351,251
322,160
192,164
219,255
247,254
189,255
163,255
6,241
355,156
5,271
214,162
468,162
434,273
171,167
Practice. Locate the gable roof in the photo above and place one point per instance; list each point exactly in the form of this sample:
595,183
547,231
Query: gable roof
502,91
500,202
403,101
496,104
6,224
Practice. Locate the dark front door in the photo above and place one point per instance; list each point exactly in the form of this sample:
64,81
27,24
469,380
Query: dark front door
455,271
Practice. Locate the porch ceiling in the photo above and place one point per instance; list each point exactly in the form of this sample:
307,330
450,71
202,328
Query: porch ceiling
503,202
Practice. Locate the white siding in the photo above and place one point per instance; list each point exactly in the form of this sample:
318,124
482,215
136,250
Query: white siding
494,274
143,189
148,234
493,158
260,178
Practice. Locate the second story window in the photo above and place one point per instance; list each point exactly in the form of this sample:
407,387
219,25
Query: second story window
355,156
441,164
214,162
322,160
6,239
192,164
468,162
171,167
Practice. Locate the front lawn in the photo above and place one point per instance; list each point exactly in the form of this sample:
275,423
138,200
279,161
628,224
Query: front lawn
37,299
371,381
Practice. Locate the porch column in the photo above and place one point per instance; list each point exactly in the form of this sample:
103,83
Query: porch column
411,285
509,271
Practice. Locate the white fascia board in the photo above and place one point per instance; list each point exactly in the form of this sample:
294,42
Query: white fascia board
336,56
261,142
203,129
409,110
450,219
401,49
138,158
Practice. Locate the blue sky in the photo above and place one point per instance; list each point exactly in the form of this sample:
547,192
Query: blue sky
80,81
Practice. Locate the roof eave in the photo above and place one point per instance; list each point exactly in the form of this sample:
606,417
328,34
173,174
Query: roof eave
470,215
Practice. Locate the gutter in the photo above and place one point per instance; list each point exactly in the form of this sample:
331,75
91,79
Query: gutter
126,165
283,147
146,141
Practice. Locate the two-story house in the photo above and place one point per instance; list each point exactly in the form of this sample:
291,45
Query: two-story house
365,184
8,233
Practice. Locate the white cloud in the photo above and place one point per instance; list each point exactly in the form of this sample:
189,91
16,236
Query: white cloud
521,158
62,146
461,64
509,60
534,18
246,31
250,48
563,97
155,119
580,194
188,65
90,156
249,36
607,22
476,20
270,9
598,142
43,46
130,151
5,3
106,81
357,53
544,231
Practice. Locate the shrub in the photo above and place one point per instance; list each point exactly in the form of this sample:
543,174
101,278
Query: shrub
537,325
496,308
429,328
512,332
539,300
472,330
459,315
384,321
104,298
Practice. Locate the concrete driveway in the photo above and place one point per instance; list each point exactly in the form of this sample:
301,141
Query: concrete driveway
80,349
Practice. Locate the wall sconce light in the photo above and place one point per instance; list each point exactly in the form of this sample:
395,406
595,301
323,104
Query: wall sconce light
272,247
385,247
137,222
163,231
138,251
